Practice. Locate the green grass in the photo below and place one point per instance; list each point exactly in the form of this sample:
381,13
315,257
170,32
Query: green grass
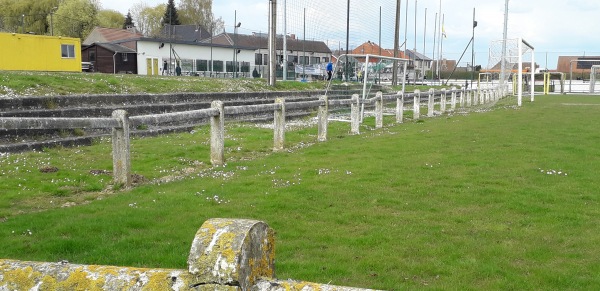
454,202
17,83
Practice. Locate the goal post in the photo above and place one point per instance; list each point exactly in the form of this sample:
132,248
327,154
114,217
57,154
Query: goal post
524,45
504,62
594,76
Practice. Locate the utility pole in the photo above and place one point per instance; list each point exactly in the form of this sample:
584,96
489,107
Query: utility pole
473,48
272,43
503,57
396,43
347,41
284,41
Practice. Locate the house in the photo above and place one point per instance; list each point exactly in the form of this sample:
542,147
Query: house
107,35
184,32
302,55
110,58
28,52
577,64
419,61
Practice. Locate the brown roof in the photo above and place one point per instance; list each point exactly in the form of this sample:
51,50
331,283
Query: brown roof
102,34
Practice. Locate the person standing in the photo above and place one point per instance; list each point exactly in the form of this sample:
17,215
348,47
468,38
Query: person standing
329,70
165,68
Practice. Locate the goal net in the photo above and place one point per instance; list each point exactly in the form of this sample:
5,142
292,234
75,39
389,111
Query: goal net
510,59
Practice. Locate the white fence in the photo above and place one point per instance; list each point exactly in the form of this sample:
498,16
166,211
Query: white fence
120,122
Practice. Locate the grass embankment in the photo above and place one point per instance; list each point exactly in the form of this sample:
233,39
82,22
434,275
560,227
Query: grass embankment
14,83
505,199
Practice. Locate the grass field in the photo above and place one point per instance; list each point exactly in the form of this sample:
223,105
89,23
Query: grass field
501,198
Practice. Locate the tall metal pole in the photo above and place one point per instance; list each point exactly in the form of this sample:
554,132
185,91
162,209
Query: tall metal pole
304,62
396,43
233,72
503,57
424,35
415,48
272,43
473,48
433,48
347,40
285,40
406,27
379,69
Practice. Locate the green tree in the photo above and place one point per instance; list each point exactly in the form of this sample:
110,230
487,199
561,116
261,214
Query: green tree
26,15
171,17
198,12
110,18
148,19
76,18
128,20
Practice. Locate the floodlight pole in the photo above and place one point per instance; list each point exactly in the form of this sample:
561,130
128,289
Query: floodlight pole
347,40
503,57
272,43
473,49
284,41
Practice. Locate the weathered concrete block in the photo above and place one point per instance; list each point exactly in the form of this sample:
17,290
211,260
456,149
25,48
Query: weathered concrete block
217,135
232,252
417,105
400,107
121,153
323,119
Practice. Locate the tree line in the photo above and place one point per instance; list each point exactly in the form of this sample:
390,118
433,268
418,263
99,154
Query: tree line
77,18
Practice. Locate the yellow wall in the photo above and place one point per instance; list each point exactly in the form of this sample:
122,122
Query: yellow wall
26,52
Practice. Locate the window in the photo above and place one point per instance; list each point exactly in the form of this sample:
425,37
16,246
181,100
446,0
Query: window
218,66
91,56
325,60
245,67
67,51
124,57
201,65
229,66
266,59
304,60
258,59
315,60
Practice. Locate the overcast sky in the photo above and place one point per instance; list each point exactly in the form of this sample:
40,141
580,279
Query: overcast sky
553,27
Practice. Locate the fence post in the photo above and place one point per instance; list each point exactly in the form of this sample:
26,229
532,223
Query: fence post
417,105
279,125
323,117
453,99
461,98
355,115
482,97
443,101
431,103
469,97
120,151
400,107
217,135
379,110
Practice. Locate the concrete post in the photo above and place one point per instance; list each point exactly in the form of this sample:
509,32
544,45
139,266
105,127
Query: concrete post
453,99
417,105
379,110
469,98
461,98
431,103
481,97
400,107
217,135
232,252
443,101
279,125
121,154
476,97
323,117
355,115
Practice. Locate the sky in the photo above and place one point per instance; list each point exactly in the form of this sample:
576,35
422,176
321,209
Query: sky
552,27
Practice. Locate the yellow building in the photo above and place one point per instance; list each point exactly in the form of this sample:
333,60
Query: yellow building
28,52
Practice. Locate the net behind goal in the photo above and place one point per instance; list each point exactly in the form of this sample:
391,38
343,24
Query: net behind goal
509,58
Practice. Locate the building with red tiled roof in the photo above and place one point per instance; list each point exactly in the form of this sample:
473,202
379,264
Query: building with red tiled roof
577,64
103,35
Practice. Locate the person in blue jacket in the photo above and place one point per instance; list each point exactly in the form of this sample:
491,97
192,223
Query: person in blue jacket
329,70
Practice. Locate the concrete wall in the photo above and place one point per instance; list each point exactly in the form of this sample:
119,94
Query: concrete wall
26,52
226,254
